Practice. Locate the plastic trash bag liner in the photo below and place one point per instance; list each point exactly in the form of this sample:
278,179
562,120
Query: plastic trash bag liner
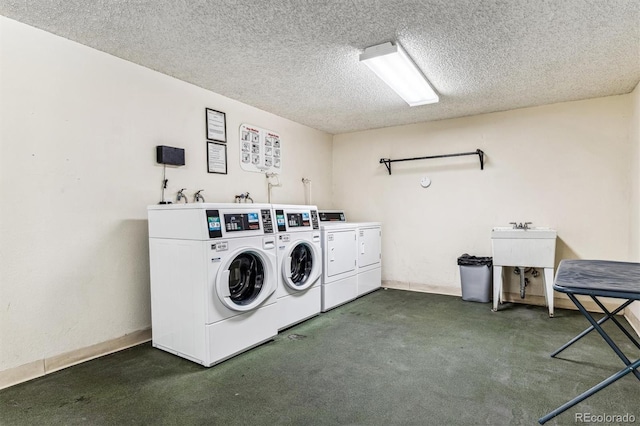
468,260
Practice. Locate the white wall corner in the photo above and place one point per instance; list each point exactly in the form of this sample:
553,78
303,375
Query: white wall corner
632,313
634,139
106,113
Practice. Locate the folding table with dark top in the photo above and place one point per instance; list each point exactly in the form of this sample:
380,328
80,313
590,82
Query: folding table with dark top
599,278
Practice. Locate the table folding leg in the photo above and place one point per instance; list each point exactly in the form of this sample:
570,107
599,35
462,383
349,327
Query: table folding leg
608,315
596,325
633,367
599,278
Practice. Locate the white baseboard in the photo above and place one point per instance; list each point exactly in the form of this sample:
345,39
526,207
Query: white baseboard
32,370
422,288
633,320
560,300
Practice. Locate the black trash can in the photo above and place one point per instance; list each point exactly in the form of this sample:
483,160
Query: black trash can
476,277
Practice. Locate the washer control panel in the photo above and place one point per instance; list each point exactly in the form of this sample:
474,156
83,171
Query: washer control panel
314,219
238,222
267,221
213,224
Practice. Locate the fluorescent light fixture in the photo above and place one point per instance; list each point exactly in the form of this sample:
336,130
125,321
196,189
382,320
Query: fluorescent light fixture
392,64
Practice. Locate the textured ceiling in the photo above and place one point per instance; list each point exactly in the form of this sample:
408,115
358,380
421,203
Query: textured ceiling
299,58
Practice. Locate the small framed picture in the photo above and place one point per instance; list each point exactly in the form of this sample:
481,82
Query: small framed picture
217,158
216,125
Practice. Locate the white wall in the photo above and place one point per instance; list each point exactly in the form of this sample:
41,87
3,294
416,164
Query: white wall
565,166
633,313
78,132
77,155
634,136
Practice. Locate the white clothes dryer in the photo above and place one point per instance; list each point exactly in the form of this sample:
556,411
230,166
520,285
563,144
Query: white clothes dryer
299,263
369,257
368,246
213,279
339,261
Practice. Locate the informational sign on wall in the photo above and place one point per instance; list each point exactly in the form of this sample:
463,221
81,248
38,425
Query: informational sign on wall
216,158
260,150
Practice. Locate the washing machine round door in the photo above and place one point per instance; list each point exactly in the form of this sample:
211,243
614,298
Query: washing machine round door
244,281
301,265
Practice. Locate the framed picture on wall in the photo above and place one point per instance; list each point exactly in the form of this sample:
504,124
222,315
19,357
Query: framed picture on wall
217,158
216,125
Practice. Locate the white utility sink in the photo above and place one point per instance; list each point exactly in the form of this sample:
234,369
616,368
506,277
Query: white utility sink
532,247
529,233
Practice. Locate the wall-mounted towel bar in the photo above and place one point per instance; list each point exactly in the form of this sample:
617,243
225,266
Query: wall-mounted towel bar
387,161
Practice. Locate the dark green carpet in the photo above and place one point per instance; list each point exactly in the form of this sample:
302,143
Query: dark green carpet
392,357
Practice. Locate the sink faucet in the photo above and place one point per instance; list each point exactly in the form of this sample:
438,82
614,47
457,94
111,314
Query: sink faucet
520,225
197,197
181,196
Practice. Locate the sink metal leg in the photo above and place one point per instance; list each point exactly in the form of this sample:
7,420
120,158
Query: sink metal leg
548,289
497,287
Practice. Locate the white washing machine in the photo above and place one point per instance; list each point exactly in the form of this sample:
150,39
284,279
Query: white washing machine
299,263
213,279
339,262
369,250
